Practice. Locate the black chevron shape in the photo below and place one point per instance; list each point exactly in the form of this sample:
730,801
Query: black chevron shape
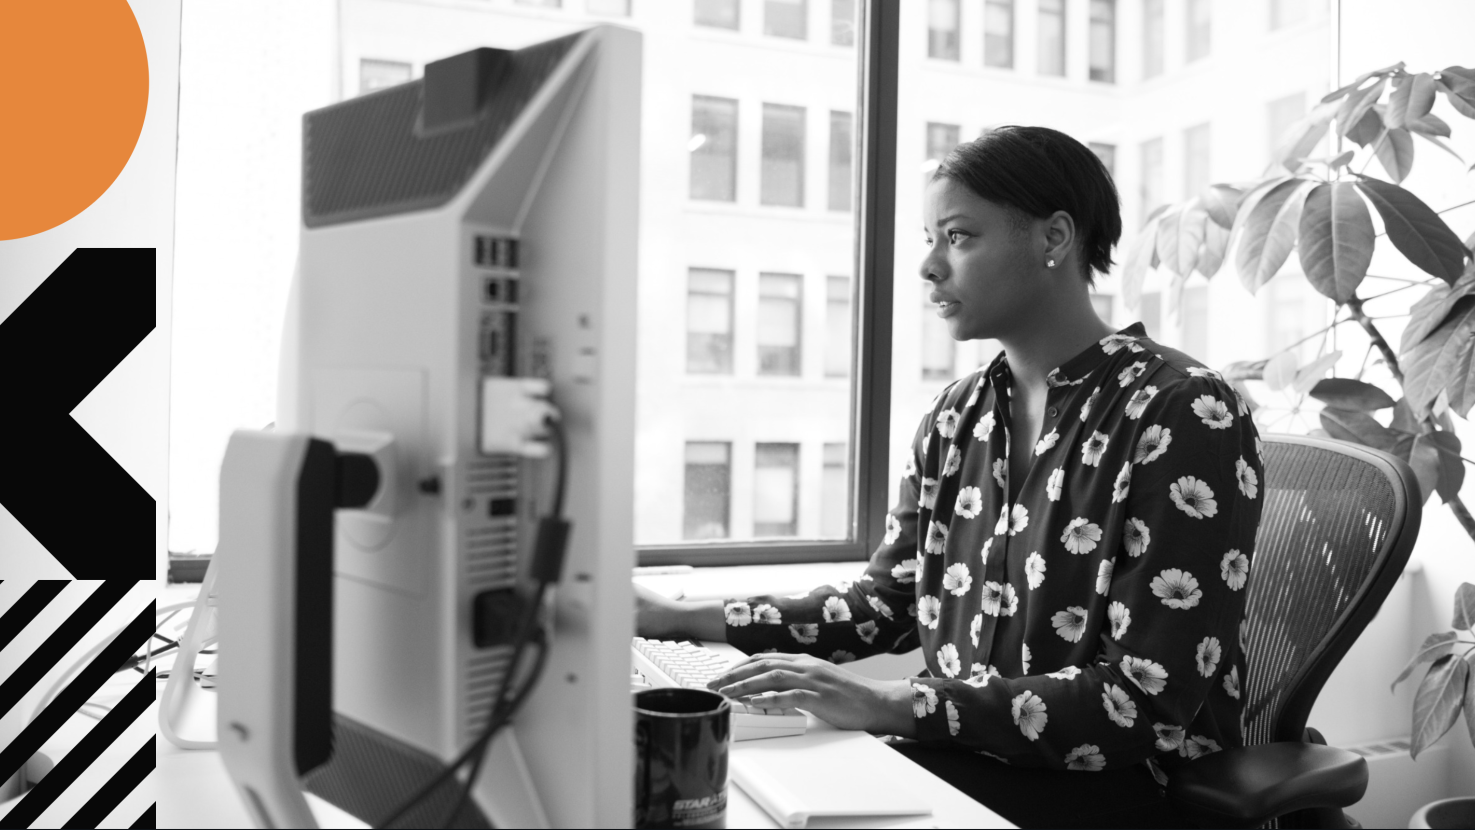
59,483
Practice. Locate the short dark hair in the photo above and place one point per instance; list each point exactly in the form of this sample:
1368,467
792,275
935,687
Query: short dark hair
1035,171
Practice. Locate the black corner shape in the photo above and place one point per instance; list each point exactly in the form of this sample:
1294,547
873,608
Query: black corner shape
57,346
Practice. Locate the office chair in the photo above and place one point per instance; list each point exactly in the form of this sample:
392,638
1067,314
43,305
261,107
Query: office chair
1338,524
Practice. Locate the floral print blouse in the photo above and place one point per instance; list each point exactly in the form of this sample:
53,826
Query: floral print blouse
1097,620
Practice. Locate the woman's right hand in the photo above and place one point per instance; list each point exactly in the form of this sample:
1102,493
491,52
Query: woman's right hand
660,618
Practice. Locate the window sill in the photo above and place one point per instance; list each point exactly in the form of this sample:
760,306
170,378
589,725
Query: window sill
726,582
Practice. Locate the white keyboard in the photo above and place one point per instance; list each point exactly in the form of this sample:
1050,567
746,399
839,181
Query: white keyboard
682,663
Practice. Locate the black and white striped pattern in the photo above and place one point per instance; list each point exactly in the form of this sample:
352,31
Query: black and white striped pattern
92,772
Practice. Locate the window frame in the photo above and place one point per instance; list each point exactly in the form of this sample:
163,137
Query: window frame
878,25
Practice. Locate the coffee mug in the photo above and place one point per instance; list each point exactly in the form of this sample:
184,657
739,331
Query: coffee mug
681,738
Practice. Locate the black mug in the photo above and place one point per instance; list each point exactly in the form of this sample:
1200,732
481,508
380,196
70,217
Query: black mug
681,738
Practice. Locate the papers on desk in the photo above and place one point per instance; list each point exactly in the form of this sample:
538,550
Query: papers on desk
792,788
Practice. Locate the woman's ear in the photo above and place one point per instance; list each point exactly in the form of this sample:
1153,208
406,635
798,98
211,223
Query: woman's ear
1060,237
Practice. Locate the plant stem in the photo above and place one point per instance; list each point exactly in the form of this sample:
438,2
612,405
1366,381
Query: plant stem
1392,291
1426,425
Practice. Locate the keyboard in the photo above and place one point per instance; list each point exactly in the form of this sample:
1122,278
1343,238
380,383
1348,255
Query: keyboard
683,663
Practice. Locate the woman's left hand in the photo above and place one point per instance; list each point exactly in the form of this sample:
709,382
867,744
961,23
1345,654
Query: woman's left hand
836,696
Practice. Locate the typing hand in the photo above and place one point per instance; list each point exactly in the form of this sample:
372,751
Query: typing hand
836,696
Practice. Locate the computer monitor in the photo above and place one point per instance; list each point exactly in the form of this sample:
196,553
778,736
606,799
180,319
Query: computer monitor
480,222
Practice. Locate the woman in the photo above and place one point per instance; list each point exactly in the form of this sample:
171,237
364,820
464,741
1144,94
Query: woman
1072,541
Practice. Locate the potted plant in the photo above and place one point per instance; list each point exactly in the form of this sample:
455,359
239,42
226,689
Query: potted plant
1321,208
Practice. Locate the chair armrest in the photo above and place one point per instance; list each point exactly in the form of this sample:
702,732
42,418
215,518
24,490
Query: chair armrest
1248,786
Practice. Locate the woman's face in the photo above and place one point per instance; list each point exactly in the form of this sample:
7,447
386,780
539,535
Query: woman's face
983,271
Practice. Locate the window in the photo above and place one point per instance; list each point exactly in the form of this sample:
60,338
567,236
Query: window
709,322
708,483
998,33
1280,114
713,147
1051,43
1103,40
783,156
941,139
1150,190
786,18
719,14
938,347
1152,38
779,315
776,490
547,4
1196,160
1285,311
842,22
942,29
1103,304
1285,13
834,513
837,327
1193,314
1150,312
1107,154
841,144
613,8
378,74
1199,21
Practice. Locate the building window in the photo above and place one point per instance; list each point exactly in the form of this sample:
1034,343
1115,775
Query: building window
1103,40
1052,37
1152,38
709,321
1280,114
1107,154
786,18
1150,190
612,8
378,74
841,146
1285,311
779,313
546,4
1199,26
1193,315
941,139
998,33
842,22
834,511
776,490
707,488
1196,160
719,14
713,148
837,327
1285,13
938,347
783,156
942,29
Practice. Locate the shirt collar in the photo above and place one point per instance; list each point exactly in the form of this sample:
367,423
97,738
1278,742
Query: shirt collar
1072,372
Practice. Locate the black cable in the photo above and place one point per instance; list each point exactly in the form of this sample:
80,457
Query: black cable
560,446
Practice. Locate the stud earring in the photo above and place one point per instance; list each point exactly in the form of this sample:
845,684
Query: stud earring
1050,263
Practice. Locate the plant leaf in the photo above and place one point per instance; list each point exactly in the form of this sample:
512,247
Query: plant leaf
1470,700
1280,371
1423,457
1181,254
1301,137
1336,240
1464,606
1403,418
1434,647
1434,308
1459,88
1462,105
1451,465
1175,296
1139,259
1341,161
1216,245
1311,373
1221,201
1356,428
1346,393
1413,96
1332,96
1437,704
1368,128
1358,102
1415,230
1396,153
1429,124
1437,142
1269,233
1441,363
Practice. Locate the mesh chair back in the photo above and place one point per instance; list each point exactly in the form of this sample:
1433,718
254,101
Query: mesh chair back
1337,527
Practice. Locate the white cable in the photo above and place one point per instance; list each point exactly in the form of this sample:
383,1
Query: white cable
181,681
